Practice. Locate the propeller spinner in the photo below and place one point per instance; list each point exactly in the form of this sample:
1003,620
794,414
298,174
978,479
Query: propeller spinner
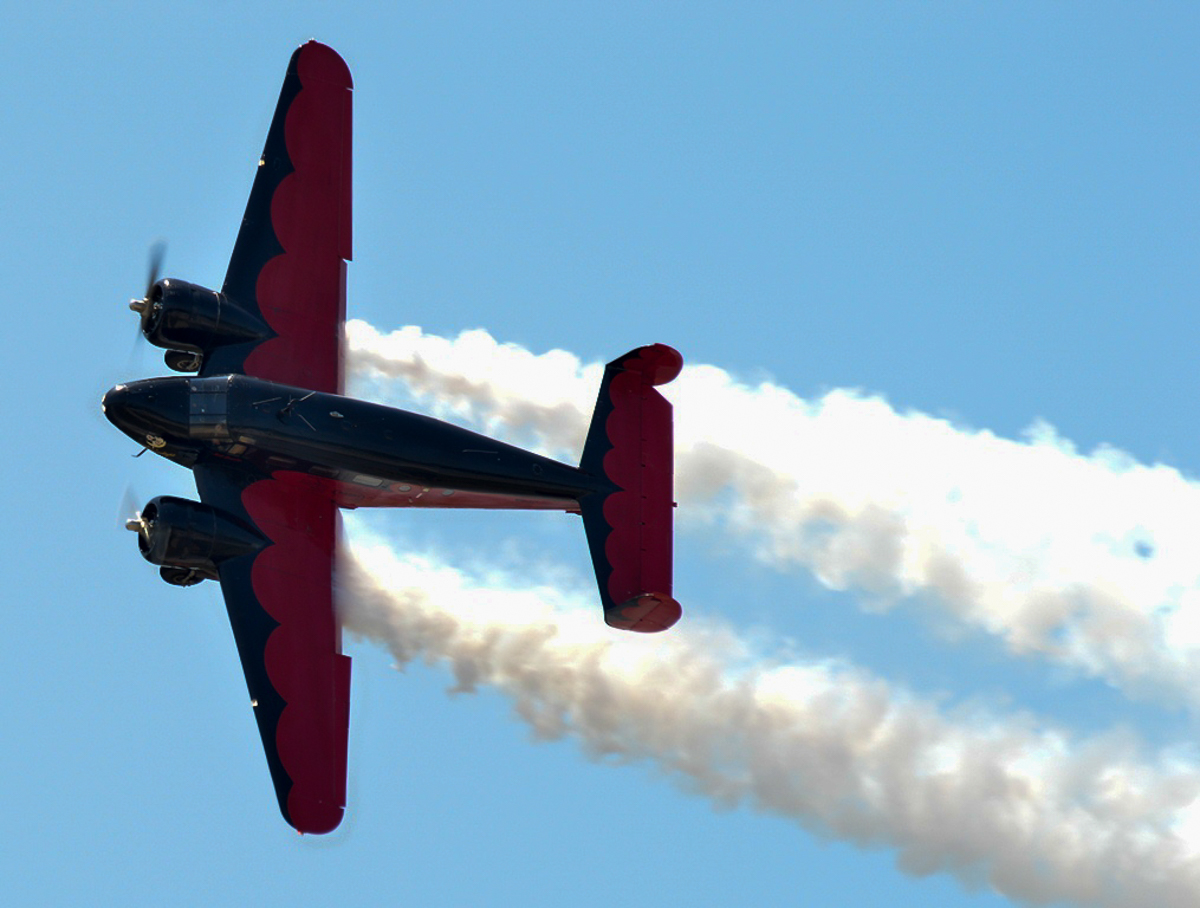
145,306
137,523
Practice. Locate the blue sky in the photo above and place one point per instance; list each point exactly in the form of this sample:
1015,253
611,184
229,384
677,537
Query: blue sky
987,213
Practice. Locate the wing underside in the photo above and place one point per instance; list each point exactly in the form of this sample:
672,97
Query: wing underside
281,608
289,262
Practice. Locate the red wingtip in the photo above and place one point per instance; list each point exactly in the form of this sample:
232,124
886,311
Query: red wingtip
321,63
313,817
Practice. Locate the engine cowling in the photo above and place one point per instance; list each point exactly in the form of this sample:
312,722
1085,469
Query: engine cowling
192,537
183,316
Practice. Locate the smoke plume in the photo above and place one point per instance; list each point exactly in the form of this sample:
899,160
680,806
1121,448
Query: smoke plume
1027,810
1089,560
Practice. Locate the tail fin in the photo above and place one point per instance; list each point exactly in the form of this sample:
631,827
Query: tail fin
629,526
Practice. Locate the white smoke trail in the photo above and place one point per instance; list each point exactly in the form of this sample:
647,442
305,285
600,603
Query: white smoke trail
1028,811
1089,560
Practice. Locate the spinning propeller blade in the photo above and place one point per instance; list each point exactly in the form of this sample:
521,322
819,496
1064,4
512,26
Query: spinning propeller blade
145,306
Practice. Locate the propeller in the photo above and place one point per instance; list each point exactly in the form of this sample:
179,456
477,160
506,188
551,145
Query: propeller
137,523
145,306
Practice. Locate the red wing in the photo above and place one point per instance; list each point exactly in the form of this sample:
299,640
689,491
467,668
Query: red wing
281,608
289,262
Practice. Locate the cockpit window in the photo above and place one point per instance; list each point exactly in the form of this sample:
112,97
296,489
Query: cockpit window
207,405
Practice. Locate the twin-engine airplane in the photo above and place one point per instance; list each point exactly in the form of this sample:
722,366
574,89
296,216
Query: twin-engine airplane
276,449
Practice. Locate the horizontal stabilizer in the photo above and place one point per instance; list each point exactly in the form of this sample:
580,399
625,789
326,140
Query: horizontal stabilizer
629,527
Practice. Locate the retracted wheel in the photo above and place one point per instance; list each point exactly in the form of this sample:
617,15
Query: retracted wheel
183,360
179,576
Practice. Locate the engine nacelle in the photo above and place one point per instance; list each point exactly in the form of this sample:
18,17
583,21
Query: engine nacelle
193,537
183,316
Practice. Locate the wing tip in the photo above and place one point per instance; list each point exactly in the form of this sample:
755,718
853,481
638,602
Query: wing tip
310,816
321,63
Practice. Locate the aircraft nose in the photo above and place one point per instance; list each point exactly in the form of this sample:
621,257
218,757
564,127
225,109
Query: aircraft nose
113,402
150,407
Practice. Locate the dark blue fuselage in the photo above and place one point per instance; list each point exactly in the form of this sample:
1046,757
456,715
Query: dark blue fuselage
271,428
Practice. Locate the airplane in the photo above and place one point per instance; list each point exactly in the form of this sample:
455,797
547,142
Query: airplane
276,448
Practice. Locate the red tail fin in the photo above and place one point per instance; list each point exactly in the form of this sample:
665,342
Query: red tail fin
629,528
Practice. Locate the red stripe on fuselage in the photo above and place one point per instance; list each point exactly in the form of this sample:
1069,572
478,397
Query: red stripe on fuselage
411,495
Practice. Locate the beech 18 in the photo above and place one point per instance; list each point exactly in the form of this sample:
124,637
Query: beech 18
277,449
